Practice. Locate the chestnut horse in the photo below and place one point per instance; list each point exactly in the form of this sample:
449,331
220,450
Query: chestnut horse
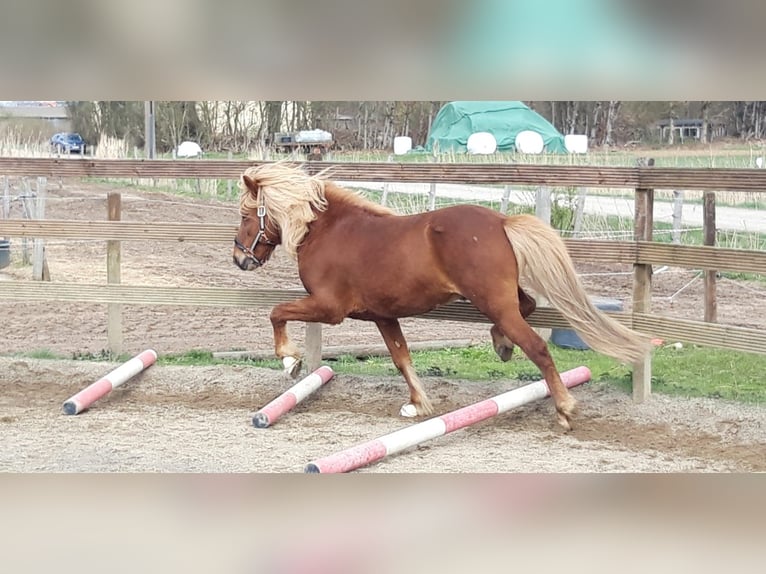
360,260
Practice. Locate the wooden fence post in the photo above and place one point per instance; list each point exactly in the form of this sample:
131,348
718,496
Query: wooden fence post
506,199
678,206
384,194
40,270
579,215
229,157
432,197
6,198
113,276
543,203
386,186
709,232
313,346
642,286
27,211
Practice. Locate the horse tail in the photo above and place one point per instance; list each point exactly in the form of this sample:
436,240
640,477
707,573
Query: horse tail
545,264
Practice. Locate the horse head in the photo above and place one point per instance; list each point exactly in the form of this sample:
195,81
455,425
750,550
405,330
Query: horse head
256,239
278,203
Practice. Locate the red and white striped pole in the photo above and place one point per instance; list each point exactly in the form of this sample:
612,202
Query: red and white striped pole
397,441
106,384
269,414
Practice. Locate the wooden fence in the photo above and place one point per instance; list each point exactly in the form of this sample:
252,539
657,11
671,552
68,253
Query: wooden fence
642,252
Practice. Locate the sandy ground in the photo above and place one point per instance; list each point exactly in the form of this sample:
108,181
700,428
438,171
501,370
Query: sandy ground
176,419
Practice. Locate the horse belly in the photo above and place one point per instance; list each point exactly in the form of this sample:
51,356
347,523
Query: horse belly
406,302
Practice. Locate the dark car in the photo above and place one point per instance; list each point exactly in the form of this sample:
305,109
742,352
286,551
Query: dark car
68,143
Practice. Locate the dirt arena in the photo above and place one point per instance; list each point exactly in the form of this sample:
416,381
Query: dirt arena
183,419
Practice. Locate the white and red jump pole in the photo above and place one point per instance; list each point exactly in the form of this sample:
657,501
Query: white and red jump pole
397,441
285,402
106,384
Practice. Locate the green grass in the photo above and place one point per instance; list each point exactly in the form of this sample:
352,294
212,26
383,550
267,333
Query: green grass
183,187
42,354
740,157
690,372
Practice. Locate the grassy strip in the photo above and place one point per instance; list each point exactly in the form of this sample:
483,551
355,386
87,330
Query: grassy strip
690,371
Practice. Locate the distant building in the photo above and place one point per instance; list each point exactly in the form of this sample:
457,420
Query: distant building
48,117
689,129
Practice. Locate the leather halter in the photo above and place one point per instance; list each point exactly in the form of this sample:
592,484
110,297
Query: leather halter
259,238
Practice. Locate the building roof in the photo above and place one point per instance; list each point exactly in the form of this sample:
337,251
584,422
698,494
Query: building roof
685,123
34,111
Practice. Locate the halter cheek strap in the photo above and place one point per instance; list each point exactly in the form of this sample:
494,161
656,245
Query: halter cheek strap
261,226
259,238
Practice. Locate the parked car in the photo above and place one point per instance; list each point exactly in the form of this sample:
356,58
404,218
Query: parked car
68,143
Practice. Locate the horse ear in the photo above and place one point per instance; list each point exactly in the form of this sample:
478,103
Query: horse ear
250,184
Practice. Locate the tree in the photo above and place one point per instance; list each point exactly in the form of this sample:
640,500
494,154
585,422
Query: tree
611,117
705,109
177,122
117,119
272,117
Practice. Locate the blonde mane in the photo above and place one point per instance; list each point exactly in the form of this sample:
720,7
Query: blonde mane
293,199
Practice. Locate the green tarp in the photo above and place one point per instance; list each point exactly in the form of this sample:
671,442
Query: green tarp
456,121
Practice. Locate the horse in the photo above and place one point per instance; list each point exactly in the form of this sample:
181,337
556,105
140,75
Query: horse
360,260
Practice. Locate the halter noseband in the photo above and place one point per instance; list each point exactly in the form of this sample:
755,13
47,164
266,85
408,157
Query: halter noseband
259,238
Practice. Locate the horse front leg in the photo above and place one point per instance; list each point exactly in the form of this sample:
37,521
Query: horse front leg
309,310
400,354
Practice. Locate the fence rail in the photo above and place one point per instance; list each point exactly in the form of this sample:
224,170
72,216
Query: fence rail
642,253
714,179
697,332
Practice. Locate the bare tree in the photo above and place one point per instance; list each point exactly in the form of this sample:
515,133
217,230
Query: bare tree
705,112
611,117
273,117
595,126
572,111
209,117
171,118
671,126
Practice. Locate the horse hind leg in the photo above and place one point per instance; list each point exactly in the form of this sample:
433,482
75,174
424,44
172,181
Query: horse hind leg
511,323
535,348
502,344
419,404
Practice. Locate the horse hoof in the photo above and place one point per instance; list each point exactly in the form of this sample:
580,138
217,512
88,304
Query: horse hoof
409,411
504,352
292,366
566,411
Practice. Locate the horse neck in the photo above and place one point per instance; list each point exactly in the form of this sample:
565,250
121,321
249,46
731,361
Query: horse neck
343,207
341,202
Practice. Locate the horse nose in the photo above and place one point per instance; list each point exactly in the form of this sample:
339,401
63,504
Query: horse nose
241,263
245,263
